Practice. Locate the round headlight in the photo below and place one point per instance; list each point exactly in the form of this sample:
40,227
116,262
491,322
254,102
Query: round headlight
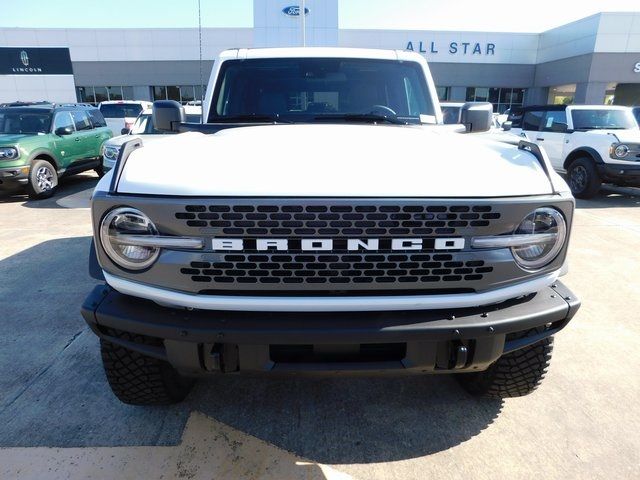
621,151
114,229
537,254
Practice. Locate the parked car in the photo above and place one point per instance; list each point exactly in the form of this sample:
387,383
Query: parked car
636,113
142,127
39,143
593,144
121,114
324,220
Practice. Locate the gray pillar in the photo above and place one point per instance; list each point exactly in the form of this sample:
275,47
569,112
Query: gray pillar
536,96
591,93
458,94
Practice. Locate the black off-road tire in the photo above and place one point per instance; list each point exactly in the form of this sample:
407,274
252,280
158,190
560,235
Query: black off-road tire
583,178
41,174
137,379
514,374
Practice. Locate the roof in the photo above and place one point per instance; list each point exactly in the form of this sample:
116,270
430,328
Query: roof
319,52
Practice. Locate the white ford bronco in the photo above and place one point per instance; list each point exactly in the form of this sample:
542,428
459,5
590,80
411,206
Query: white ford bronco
593,144
323,219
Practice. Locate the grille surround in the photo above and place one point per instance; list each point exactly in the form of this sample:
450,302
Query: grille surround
166,272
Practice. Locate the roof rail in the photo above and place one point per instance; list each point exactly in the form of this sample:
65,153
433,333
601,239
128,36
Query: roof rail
25,104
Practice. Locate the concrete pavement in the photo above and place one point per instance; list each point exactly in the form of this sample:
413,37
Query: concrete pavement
58,418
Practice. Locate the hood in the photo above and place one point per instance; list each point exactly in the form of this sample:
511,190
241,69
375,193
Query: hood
13,138
333,161
631,135
146,139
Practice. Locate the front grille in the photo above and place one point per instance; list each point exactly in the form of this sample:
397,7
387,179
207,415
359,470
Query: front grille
338,269
339,220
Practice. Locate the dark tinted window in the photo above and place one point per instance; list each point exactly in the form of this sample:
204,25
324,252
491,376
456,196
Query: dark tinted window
63,120
81,120
593,119
532,120
303,88
450,114
515,117
636,113
24,122
96,118
120,110
555,121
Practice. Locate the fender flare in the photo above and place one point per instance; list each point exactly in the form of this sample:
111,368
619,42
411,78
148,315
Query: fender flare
576,153
44,152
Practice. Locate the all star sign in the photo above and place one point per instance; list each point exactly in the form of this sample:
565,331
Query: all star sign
294,11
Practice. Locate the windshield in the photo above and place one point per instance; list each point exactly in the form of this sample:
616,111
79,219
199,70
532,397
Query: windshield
144,125
593,119
120,110
24,122
305,89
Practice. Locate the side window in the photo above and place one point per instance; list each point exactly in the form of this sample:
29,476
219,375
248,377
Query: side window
96,118
555,121
532,120
515,117
62,120
81,120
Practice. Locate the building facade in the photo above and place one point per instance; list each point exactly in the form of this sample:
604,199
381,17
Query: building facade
594,60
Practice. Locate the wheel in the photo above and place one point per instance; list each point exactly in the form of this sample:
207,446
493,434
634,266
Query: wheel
137,379
583,178
43,179
99,170
513,375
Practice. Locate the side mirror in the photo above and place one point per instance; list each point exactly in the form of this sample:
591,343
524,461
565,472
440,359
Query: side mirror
506,126
167,115
124,131
62,131
477,116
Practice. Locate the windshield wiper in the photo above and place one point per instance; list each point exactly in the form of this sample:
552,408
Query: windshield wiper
361,117
251,117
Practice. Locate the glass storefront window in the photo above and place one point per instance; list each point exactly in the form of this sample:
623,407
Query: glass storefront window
127,93
443,93
610,93
186,93
159,93
562,94
501,98
115,93
173,93
102,95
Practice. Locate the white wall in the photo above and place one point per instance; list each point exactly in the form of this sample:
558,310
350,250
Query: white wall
30,88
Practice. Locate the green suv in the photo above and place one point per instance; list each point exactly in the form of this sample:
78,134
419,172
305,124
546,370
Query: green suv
40,142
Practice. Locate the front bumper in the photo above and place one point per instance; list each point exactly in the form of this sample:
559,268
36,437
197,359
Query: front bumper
12,178
458,340
628,175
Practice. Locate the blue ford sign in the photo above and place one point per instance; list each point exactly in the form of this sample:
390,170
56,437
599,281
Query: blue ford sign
294,10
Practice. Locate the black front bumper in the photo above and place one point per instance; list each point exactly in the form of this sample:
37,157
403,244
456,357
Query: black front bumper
13,178
199,341
628,175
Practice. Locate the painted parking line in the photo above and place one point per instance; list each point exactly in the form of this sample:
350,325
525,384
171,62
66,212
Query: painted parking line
209,449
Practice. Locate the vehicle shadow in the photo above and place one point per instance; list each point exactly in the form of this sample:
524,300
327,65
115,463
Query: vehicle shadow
50,362
348,420
612,197
70,186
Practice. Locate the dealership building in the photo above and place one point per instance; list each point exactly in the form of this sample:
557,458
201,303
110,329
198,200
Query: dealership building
594,60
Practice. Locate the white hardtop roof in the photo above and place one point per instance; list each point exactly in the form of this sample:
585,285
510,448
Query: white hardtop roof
320,52
137,102
597,107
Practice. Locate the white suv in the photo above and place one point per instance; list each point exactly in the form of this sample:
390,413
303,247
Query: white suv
592,143
120,114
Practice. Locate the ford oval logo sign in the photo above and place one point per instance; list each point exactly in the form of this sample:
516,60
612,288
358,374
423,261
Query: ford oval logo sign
294,11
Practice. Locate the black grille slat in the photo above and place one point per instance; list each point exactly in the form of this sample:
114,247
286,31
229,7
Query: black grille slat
343,220
348,268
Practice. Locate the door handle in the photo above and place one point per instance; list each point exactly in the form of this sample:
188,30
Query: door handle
540,139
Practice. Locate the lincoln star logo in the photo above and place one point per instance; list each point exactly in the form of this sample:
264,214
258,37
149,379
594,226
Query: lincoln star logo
24,58
294,11
343,244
